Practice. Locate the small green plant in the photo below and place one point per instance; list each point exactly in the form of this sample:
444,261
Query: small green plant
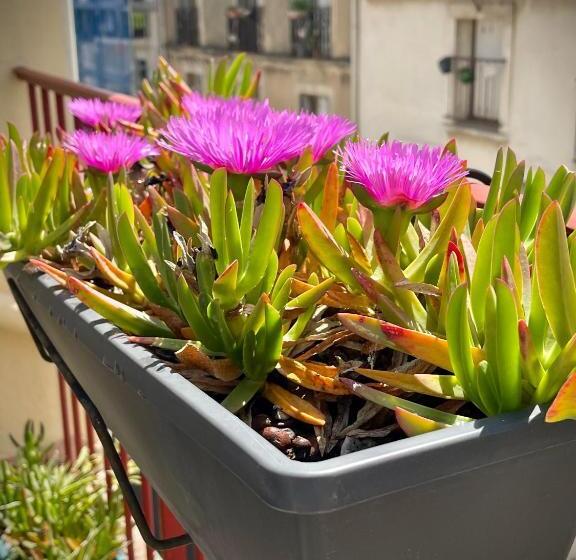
56,511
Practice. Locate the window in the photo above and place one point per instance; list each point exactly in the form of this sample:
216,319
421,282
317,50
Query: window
186,23
317,104
310,28
139,24
141,70
478,70
194,80
244,26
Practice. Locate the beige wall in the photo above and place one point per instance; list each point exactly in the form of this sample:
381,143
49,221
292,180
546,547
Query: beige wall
283,79
35,33
400,89
213,24
275,36
38,34
28,385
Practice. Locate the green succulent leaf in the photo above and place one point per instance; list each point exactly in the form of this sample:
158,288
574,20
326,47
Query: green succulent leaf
392,402
554,274
265,238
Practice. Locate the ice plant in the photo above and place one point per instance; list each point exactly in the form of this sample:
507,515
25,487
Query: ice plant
108,152
327,131
243,136
318,278
95,112
37,208
50,509
399,174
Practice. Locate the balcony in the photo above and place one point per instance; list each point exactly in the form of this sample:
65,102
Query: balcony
310,32
243,28
477,90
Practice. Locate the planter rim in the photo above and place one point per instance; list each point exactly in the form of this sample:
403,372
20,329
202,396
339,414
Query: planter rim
282,483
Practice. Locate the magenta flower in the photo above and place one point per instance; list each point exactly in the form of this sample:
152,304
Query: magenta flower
327,131
244,136
95,112
400,174
108,152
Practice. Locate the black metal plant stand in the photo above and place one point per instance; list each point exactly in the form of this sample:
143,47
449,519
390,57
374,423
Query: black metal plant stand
49,353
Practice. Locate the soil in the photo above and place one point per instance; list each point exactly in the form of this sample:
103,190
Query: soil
352,423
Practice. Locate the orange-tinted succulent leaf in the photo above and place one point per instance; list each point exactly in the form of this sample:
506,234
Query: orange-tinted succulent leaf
310,377
418,344
293,405
330,197
59,275
564,405
414,425
223,369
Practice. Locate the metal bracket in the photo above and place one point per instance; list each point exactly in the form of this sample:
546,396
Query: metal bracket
479,176
49,352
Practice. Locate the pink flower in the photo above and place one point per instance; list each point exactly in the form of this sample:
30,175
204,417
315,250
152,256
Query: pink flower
327,131
95,112
400,174
244,136
108,152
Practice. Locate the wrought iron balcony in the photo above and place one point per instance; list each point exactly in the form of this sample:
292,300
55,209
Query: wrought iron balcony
477,89
311,33
244,28
187,26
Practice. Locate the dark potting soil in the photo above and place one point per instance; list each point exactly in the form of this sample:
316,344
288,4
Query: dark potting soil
352,424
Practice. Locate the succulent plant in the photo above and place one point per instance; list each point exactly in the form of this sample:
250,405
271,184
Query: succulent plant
294,279
54,510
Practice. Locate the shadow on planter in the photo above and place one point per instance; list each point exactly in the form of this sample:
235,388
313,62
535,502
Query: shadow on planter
499,488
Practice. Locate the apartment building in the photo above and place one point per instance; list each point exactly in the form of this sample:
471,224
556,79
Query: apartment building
487,72
302,47
118,41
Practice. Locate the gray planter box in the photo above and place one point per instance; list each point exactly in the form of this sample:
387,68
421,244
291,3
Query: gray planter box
502,488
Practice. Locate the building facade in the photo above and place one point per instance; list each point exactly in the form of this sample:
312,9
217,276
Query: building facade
118,41
302,47
487,72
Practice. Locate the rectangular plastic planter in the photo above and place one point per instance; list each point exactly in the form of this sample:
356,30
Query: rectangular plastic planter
502,488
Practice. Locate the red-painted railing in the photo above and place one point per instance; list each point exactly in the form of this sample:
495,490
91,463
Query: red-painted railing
78,432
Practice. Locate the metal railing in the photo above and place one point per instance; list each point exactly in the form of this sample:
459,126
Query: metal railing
244,29
186,26
478,88
47,94
311,33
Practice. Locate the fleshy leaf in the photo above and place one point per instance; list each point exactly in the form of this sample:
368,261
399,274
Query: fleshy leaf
324,247
309,377
293,405
413,424
420,345
392,402
564,405
444,386
128,319
554,273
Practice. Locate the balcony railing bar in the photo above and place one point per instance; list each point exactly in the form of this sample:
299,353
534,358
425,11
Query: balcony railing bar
46,110
63,393
33,107
127,516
